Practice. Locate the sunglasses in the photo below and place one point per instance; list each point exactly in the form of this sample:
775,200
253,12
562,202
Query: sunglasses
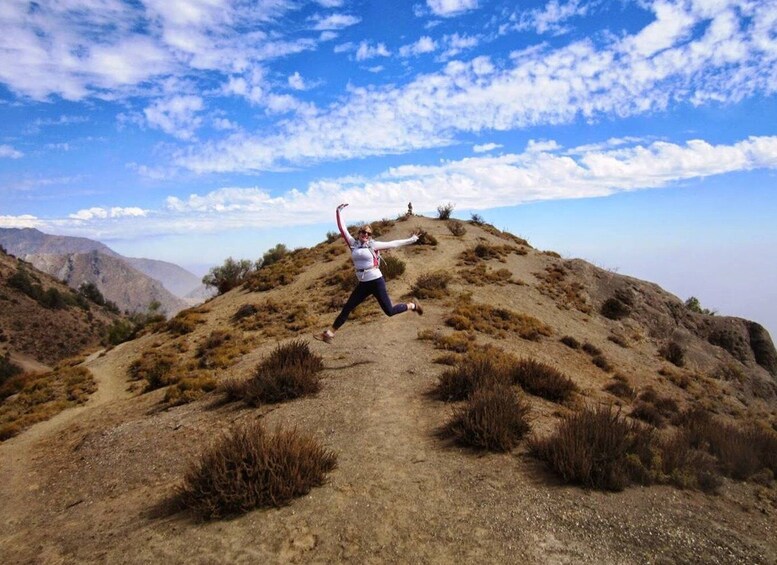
365,232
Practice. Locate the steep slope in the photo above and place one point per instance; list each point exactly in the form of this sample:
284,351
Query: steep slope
48,324
95,488
29,243
128,288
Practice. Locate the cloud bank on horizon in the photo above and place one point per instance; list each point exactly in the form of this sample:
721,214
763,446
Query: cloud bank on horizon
153,117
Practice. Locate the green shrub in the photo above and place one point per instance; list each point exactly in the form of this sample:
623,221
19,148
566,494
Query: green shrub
274,254
494,418
249,468
229,275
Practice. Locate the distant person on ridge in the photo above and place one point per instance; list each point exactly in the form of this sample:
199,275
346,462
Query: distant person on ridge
364,254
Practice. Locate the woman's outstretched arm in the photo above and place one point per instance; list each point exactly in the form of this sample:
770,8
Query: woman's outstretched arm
344,232
396,243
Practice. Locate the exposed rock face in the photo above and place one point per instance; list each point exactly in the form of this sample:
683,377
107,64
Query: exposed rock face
128,288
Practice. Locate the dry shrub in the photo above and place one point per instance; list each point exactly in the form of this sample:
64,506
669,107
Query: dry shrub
620,387
654,409
481,275
458,342
542,380
602,362
597,448
615,309
456,228
476,369
189,389
289,372
444,211
498,322
674,353
249,468
39,397
618,340
283,271
570,342
591,349
221,349
391,267
683,466
742,452
184,322
245,311
494,418
486,252
567,294
431,285
279,319
157,368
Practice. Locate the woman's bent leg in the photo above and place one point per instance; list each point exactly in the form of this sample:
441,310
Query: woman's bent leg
379,291
357,297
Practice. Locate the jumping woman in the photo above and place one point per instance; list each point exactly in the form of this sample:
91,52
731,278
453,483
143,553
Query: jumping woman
364,254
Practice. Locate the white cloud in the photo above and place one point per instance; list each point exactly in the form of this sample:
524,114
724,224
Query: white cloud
8,152
424,45
366,51
296,81
334,22
176,116
24,221
448,8
105,213
730,60
486,147
552,17
456,44
543,172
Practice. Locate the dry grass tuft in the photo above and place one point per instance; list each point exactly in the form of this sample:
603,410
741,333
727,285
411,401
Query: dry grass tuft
497,322
620,387
542,380
456,227
481,275
495,418
566,293
654,409
184,322
39,397
249,469
459,342
476,369
431,285
157,368
674,353
597,448
289,372
486,252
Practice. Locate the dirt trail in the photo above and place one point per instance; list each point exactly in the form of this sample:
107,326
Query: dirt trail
18,472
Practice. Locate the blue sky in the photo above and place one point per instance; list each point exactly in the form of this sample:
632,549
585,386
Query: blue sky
639,135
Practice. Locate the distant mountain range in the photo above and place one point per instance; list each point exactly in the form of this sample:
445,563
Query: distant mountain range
131,283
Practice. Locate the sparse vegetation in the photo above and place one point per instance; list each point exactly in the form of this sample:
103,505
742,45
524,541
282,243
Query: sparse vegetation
273,255
542,380
614,309
620,387
391,267
431,285
39,397
289,372
694,305
555,284
497,322
674,353
486,252
654,409
250,468
456,228
477,219
480,275
570,342
477,369
444,211
458,342
156,368
495,418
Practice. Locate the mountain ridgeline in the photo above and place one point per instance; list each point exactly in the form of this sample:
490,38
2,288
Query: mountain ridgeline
130,283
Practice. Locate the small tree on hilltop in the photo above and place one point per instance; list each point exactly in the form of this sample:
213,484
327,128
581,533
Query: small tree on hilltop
274,254
229,275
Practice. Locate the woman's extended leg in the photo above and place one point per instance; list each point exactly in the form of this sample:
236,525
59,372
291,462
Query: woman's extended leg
359,294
